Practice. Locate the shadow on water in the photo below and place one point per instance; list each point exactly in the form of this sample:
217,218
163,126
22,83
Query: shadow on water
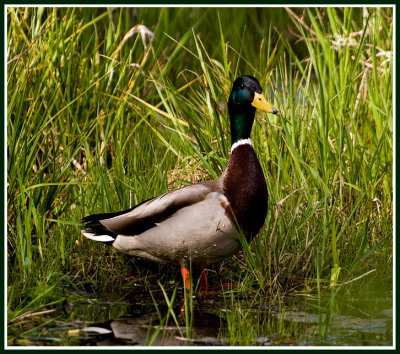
355,316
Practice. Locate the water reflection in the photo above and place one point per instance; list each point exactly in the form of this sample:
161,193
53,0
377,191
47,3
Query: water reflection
146,330
356,316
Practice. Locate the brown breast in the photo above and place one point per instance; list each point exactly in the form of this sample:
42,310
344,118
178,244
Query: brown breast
245,187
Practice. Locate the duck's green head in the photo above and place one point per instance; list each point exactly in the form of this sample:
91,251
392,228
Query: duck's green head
246,96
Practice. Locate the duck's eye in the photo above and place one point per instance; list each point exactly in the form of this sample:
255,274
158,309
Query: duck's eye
241,86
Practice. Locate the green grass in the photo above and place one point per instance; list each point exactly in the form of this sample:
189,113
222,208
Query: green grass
98,120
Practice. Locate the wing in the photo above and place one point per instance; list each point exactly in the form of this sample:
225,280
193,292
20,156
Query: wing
145,215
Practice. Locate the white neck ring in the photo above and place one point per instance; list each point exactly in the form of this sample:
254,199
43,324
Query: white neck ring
240,142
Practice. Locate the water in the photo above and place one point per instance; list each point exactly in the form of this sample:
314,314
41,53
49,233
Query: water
356,316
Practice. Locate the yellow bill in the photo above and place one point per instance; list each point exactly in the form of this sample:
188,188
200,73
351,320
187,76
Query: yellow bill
261,103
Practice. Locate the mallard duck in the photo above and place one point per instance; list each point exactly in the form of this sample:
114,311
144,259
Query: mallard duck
198,223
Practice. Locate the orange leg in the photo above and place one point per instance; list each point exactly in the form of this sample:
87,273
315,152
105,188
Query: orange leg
186,284
203,281
186,279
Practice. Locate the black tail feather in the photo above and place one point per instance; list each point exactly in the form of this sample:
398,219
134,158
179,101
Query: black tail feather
92,222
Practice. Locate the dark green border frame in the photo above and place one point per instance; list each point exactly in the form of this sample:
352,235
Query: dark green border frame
177,3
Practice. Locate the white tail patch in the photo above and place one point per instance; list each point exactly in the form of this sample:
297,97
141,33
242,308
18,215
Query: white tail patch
95,237
98,330
240,142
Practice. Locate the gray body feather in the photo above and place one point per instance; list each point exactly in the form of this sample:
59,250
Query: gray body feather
187,224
